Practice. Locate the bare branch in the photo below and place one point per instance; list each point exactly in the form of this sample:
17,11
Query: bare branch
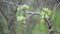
32,13
54,31
10,3
29,16
56,5
3,14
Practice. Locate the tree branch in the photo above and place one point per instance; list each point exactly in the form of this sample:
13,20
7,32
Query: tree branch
3,14
32,13
9,3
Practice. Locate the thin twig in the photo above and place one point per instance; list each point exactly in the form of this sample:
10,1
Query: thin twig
56,6
3,14
9,3
53,31
29,16
32,13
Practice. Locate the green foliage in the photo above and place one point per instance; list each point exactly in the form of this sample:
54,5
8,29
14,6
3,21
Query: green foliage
20,8
24,6
20,16
46,11
42,26
21,19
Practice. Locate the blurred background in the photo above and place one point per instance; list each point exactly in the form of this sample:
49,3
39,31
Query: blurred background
10,25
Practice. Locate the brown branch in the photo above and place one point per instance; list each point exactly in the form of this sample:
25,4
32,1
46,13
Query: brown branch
48,23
